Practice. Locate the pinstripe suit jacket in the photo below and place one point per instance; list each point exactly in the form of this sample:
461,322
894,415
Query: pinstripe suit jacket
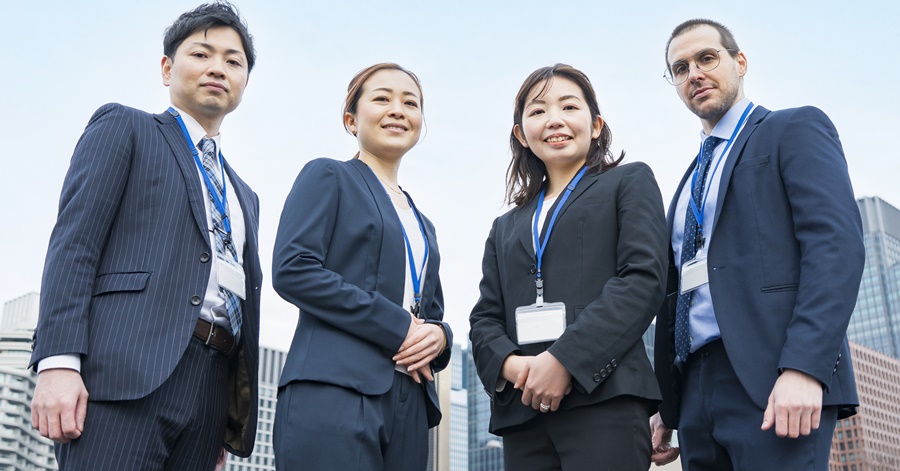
129,261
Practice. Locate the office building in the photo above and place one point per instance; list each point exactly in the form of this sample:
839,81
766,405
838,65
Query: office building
870,440
485,449
459,412
21,446
876,318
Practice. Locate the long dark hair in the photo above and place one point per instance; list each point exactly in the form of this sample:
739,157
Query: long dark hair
526,171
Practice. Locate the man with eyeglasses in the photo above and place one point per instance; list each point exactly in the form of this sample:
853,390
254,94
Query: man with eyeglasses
767,255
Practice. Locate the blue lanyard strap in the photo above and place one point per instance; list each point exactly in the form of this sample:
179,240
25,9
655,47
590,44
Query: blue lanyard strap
698,212
414,274
220,203
539,245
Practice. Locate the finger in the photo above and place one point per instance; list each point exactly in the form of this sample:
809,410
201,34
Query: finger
523,376
35,417
769,414
81,414
526,396
782,418
554,404
816,418
415,376
805,422
426,373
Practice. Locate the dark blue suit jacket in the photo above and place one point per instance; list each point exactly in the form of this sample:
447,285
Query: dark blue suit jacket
129,261
606,260
785,261
340,257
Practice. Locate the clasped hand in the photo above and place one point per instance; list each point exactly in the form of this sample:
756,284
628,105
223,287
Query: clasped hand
542,379
423,343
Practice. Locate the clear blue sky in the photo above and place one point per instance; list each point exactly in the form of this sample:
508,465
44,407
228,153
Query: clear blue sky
68,58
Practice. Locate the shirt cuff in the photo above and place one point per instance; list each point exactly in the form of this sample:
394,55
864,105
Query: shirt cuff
71,361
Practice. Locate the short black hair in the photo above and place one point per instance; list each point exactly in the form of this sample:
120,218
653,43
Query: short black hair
204,17
725,34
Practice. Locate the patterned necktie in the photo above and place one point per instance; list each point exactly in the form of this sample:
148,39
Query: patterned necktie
689,250
224,244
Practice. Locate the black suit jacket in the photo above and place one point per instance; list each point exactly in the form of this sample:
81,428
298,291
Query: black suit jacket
606,260
785,261
129,262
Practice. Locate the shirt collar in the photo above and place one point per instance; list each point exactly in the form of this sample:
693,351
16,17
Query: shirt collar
725,127
196,131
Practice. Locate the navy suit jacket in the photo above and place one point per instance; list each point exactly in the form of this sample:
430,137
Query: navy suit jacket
340,258
785,261
129,262
606,260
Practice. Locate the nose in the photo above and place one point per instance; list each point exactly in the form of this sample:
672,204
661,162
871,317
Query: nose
216,67
554,120
396,109
694,72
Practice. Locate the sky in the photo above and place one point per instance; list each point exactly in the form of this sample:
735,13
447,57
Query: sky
66,59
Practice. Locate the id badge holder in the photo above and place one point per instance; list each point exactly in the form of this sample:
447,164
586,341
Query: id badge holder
694,274
540,323
231,277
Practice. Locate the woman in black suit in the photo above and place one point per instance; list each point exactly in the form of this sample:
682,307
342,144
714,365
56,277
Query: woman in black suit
361,263
572,277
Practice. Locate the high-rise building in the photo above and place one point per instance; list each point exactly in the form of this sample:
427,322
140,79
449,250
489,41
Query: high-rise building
271,362
21,446
459,412
876,318
870,440
485,449
439,437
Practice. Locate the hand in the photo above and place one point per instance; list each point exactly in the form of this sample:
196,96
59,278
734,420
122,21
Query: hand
423,343
220,462
59,406
544,380
512,366
661,438
795,405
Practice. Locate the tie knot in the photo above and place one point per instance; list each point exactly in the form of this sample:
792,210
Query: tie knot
208,146
712,142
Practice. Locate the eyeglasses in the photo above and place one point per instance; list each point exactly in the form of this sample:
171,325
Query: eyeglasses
705,60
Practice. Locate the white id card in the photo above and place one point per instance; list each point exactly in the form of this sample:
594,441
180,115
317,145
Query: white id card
693,275
540,324
231,277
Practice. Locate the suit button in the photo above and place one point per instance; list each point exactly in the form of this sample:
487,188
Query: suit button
195,300
204,257
613,362
597,377
533,269
609,368
603,374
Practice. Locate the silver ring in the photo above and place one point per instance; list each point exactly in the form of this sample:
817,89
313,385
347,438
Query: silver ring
544,407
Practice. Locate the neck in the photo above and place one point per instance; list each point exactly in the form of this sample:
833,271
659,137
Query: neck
560,176
386,170
710,124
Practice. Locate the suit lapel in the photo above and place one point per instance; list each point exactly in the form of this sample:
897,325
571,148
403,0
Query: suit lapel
524,220
735,154
170,130
392,249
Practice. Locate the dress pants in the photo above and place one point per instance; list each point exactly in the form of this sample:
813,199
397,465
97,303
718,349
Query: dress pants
323,427
608,436
179,426
719,429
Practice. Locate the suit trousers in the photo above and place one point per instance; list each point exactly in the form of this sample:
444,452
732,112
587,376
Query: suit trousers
611,435
323,427
719,429
179,426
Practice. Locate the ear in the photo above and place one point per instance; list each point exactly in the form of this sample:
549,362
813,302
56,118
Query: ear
517,131
741,60
166,70
350,123
598,126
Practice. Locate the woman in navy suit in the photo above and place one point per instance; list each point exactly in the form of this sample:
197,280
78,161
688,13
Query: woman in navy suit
359,260
572,277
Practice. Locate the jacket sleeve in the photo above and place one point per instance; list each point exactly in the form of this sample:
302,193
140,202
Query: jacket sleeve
299,273
90,199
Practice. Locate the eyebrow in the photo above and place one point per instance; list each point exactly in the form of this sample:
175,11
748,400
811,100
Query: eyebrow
701,51
210,47
562,98
388,90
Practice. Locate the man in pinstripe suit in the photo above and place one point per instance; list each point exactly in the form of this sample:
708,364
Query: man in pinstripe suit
146,346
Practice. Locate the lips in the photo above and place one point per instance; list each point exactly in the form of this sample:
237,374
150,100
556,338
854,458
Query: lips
701,92
215,86
557,138
396,127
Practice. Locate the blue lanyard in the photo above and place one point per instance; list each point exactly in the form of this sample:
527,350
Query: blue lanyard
415,275
219,202
698,212
539,245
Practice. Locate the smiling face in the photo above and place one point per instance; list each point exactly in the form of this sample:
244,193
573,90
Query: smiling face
709,95
557,124
207,76
388,117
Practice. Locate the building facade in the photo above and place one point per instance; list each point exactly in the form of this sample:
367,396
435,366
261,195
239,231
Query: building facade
485,448
876,318
21,446
459,412
870,440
